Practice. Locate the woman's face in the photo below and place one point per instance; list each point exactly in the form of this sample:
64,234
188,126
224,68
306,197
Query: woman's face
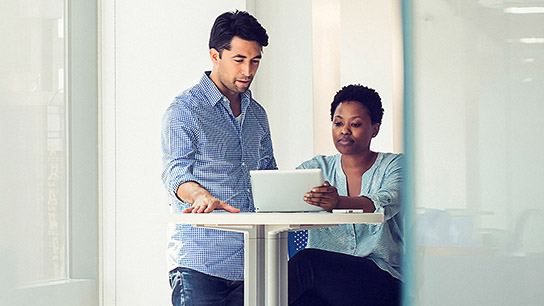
352,129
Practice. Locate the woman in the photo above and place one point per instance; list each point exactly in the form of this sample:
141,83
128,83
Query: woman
354,264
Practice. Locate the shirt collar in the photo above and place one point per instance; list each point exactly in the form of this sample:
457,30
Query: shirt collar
213,94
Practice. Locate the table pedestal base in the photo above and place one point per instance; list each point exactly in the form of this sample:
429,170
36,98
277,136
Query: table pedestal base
265,278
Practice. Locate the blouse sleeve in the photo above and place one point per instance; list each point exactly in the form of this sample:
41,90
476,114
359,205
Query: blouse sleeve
386,199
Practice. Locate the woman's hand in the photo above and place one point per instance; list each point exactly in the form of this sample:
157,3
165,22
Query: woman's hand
325,196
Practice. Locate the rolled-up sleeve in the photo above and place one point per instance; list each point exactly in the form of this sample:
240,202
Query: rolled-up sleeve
386,198
178,147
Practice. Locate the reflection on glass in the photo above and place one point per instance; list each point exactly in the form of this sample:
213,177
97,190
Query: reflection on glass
525,10
33,181
478,88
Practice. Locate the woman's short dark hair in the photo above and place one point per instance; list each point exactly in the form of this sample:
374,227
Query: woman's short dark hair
237,23
361,94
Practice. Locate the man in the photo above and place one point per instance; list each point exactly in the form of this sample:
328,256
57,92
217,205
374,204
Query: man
213,134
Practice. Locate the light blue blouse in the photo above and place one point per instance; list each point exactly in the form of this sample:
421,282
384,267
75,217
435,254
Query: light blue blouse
382,243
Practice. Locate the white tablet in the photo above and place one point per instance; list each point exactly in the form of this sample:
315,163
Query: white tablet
283,190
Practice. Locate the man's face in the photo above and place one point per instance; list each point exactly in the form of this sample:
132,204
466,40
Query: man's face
235,69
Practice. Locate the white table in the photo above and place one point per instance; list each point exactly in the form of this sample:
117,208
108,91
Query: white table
265,237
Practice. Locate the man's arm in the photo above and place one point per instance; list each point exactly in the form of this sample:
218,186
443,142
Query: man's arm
178,147
201,199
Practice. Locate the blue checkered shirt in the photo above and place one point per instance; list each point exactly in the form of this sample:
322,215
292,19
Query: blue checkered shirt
203,142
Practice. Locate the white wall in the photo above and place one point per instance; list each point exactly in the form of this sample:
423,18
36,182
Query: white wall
326,76
284,80
357,42
368,55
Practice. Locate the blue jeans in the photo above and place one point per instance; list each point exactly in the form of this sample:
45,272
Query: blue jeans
193,288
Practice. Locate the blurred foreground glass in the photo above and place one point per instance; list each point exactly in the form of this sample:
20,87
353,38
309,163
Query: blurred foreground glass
33,135
475,92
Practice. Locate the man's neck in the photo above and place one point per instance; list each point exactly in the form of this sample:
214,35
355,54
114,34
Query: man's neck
235,100
236,107
233,97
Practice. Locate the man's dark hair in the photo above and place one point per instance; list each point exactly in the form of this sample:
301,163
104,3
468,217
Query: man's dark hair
238,23
361,94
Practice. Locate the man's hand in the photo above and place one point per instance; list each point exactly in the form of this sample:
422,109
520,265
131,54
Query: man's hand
206,203
203,201
325,196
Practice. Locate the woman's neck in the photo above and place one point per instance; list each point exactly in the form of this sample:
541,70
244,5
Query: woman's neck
358,162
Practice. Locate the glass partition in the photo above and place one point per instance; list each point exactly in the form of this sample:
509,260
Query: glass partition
475,82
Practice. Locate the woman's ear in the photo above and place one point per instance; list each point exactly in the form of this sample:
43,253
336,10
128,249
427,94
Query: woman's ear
376,127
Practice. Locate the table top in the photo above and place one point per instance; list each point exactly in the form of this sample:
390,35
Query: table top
310,218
